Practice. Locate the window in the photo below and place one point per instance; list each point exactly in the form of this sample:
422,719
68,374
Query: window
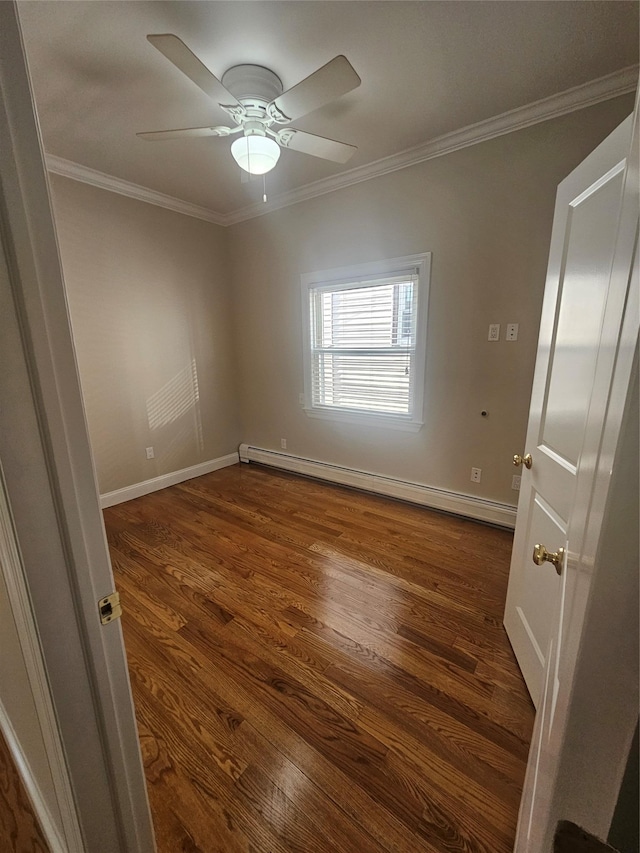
365,330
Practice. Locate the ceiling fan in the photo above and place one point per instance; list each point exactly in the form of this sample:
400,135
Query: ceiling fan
254,99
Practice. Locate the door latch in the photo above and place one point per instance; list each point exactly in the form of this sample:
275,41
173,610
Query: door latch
109,608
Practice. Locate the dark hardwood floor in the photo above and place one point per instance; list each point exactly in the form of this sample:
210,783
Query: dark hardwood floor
19,829
319,670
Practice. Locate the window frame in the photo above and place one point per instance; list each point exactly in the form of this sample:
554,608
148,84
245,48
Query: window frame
353,276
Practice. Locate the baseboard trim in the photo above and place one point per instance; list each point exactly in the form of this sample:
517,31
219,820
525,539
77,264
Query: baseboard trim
41,811
468,506
137,490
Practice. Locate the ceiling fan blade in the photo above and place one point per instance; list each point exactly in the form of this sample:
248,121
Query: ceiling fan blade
185,132
186,61
327,83
317,146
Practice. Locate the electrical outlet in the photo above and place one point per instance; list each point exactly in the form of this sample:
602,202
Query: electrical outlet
301,399
515,482
512,332
476,474
149,452
283,443
494,332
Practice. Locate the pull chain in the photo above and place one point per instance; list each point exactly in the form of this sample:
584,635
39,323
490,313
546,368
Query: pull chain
264,189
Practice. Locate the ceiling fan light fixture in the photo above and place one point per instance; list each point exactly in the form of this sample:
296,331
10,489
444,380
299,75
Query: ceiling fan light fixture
255,154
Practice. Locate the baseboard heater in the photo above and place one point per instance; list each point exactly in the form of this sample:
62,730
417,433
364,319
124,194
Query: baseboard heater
503,515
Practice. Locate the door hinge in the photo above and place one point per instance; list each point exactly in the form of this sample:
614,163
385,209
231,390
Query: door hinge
109,608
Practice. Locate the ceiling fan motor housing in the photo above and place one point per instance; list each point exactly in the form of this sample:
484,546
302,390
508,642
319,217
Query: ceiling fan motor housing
252,85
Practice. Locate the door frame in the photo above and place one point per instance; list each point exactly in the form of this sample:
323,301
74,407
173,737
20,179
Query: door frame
52,491
65,838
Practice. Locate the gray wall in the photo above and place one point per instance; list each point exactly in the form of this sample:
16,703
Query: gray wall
189,335
149,298
486,213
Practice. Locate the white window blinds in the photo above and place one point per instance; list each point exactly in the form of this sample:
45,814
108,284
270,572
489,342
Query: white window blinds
363,344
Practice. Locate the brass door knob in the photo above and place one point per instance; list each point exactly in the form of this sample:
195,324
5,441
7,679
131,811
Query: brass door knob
541,555
527,461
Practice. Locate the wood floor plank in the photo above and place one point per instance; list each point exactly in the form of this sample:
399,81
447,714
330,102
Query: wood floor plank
20,831
210,807
353,801
229,751
317,669
370,640
320,809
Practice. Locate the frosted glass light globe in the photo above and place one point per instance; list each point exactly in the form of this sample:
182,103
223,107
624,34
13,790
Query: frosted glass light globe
255,154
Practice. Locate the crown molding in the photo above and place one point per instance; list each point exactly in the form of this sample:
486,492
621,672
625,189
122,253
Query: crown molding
579,97
77,172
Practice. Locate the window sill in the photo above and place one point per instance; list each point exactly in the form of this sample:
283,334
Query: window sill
362,418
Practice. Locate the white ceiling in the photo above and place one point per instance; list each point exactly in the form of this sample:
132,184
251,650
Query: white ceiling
427,68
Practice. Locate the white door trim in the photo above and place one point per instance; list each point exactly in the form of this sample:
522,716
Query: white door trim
13,575
52,491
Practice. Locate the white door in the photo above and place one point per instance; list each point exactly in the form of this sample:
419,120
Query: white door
583,242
